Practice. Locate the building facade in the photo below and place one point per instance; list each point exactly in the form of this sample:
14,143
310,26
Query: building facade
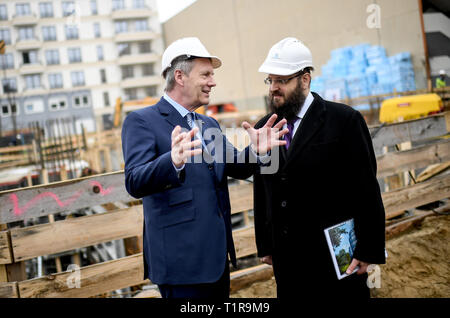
75,58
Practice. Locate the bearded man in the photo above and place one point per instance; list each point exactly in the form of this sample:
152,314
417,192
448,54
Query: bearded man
326,175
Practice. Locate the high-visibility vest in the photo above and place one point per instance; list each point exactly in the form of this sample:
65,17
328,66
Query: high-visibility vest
440,83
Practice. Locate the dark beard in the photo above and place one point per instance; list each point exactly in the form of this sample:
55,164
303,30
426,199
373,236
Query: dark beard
292,105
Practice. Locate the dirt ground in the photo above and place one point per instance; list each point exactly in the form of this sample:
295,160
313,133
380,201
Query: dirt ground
418,265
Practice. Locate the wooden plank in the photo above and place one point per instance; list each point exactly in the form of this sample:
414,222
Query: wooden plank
94,280
9,290
419,157
73,233
432,170
416,195
400,227
244,241
243,278
5,248
241,197
412,130
151,293
31,202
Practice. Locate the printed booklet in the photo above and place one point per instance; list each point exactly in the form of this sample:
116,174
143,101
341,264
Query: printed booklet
341,240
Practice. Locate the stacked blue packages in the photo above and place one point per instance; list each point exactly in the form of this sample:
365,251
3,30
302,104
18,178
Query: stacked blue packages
357,86
363,70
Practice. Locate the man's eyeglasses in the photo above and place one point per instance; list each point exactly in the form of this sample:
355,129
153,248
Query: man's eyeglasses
282,81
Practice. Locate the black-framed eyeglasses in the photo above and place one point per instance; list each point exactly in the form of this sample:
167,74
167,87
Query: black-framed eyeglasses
281,81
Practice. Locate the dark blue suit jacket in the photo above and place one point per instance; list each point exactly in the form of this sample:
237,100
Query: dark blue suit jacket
187,225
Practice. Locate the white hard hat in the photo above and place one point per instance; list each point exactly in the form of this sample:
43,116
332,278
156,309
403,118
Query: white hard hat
187,46
287,57
441,72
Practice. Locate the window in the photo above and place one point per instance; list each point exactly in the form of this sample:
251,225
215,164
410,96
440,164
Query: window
81,101
3,12
145,47
77,78
68,8
57,104
147,69
8,109
150,91
9,85
127,71
102,76
124,49
26,33
130,93
94,7
33,81
139,4
52,57
71,32
74,55
34,106
23,9
49,33
5,35
118,4
121,26
46,9
141,25
30,57
100,52
7,61
55,80
97,30
106,99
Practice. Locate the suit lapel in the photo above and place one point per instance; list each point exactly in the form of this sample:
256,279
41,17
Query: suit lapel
171,114
309,125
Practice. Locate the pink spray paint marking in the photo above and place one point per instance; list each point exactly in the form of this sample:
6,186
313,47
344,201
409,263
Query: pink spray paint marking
102,191
20,210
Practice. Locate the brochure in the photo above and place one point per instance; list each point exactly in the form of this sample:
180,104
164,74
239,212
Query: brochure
341,241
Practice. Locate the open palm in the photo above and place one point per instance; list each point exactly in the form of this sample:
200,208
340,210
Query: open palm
266,137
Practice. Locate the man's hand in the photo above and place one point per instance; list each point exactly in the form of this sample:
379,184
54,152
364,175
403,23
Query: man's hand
182,145
267,137
362,267
267,259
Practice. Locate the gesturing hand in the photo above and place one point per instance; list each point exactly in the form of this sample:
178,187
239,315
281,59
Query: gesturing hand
266,137
182,145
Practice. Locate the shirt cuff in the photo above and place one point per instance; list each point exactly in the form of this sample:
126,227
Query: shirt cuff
178,170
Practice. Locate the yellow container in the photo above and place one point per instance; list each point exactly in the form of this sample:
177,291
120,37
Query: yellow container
410,107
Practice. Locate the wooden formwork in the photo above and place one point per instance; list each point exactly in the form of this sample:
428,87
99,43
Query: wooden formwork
19,244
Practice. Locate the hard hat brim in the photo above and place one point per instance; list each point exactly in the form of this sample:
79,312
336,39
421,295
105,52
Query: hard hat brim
277,70
215,61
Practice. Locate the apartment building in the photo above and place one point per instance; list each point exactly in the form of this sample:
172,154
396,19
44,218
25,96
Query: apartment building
75,58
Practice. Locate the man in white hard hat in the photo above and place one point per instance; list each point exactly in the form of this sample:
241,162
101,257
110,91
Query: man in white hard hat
327,175
187,226
440,81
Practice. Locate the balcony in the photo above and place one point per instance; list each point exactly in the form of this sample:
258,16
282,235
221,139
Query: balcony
20,20
135,36
138,58
31,68
28,44
122,14
140,81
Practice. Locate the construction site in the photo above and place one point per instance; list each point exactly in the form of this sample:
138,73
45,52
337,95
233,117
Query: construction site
68,226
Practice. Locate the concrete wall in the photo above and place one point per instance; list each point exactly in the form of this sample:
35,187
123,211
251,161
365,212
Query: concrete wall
241,32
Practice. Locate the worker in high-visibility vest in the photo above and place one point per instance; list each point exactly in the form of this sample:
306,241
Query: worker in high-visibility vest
440,81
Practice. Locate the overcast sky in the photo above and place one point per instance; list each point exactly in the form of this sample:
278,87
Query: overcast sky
168,8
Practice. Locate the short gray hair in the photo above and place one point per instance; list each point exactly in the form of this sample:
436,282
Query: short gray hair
182,63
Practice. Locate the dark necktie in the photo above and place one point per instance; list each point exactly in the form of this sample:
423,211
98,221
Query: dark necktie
289,135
